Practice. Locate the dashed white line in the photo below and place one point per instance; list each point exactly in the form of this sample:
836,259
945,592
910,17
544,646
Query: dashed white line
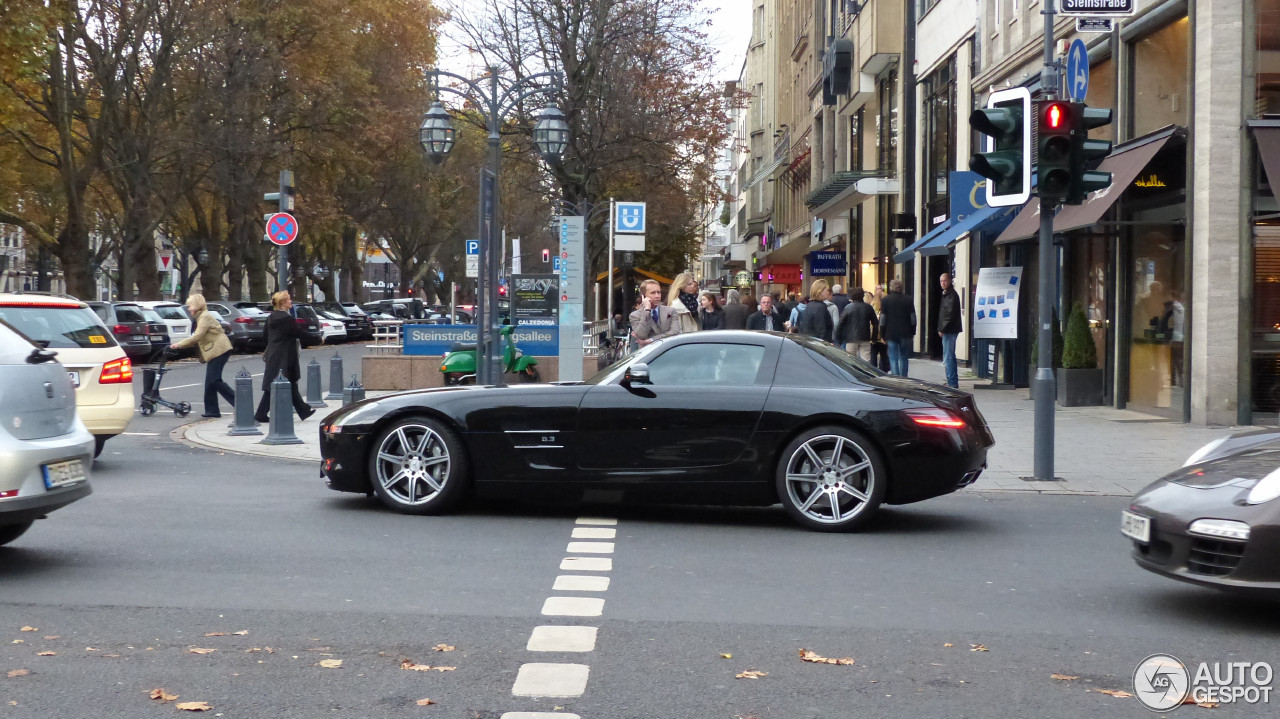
587,564
562,639
590,548
538,715
573,607
562,681
598,520
580,583
594,533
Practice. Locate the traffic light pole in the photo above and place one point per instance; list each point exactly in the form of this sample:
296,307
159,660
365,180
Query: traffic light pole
1044,383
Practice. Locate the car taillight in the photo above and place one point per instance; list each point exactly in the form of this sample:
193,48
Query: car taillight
117,372
935,418
243,321
120,330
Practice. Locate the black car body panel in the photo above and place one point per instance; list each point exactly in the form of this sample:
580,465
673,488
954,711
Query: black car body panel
248,324
128,326
357,324
309,322
715,444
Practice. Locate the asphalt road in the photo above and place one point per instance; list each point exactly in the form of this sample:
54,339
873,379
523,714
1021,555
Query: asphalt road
177,543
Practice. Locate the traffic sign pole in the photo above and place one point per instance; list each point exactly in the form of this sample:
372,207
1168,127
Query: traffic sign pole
1046,391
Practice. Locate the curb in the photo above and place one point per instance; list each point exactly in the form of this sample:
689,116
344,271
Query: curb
185,436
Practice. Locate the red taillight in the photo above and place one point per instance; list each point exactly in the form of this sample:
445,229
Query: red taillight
117,372
935,418
120,330
243,321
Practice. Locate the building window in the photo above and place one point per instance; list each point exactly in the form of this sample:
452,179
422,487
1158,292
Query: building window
1102,93
1268,95
939,142
887,122
1160,82
855,140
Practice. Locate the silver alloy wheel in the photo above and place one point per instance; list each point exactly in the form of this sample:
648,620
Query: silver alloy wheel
830,479
413,464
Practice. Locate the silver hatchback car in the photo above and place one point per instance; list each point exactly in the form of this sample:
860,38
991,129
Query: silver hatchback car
45,450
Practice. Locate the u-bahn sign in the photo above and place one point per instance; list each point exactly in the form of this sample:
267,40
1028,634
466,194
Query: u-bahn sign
1112,8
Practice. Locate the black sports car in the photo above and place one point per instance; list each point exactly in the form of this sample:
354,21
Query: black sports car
1216,521
710,417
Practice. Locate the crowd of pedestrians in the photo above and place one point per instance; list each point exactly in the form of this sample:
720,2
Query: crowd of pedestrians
875,326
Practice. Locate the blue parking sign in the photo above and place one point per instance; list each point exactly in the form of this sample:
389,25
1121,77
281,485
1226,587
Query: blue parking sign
473,247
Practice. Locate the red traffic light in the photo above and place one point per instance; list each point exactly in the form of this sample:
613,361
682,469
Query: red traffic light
546,255
1057,116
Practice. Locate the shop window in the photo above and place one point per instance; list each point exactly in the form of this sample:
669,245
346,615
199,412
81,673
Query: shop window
1268,94
887,122
939,141
1102,93
1160,83
1157,377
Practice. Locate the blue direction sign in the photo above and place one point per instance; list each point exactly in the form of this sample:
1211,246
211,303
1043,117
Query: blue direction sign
630,218
282,228
1077,71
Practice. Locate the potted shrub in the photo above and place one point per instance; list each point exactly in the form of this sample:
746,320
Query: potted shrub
1054,362
1080,381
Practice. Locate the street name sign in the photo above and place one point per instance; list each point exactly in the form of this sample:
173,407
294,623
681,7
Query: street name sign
282,228
1094,24
1111,8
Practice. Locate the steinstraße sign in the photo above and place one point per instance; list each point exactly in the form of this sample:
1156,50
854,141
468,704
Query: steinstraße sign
1098,7
428,340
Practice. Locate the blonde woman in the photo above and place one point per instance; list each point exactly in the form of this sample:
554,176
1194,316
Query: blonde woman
815,321
683,298
214,349
281,356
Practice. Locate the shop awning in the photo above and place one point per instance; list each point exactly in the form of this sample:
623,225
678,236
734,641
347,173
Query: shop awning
1124,165
1269,147
617,271
983,219
910,251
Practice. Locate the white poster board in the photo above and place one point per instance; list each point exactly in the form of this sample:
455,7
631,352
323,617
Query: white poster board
995,306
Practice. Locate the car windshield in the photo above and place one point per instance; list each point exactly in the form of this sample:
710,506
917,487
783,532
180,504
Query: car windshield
615,370
58,326
151,315
333,315
171,312
252,310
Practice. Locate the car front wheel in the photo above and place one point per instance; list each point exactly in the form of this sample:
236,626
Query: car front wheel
831,479
418,466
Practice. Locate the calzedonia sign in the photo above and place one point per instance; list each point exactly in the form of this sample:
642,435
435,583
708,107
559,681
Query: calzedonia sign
1097,7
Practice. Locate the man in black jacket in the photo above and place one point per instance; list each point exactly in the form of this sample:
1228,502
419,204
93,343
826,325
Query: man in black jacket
898,326
949,326
766,318
856,322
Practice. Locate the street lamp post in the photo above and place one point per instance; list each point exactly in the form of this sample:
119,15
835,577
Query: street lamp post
550,136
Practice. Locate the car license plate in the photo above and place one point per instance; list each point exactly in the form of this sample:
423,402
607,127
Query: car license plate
1135,526
157,338
137,338
62,474
75,378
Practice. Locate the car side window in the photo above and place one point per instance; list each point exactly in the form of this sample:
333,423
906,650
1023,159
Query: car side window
128,314
707,364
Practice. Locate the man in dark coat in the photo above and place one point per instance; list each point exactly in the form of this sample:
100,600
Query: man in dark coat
898,326
856,323
735,313
766,318
839,298
949,327
283,335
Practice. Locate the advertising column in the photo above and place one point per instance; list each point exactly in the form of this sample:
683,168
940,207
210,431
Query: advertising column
571,299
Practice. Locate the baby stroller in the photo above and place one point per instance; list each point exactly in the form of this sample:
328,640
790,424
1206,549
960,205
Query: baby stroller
151,377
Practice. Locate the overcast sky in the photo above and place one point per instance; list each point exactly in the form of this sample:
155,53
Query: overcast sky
729,32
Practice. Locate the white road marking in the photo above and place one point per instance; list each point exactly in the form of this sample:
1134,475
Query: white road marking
562,639
590,548
580,583
141,434
594,533
598,520
573,607
551,680
198,384
586,564
538,715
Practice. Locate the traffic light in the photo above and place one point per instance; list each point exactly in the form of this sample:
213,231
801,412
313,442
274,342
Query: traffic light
1055,135
546,256
1085,151
1006,159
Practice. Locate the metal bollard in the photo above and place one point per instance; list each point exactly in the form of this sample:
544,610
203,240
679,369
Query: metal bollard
335,377
353,392
280,430
244,423
314,387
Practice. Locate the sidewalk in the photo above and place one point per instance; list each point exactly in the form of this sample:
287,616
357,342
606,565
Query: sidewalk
1099,450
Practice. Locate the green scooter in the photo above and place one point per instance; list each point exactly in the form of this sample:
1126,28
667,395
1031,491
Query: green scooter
459,364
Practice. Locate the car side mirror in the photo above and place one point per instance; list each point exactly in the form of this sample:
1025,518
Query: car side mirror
638,373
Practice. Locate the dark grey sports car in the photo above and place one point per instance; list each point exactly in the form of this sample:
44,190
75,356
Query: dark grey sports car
1216,521
710,417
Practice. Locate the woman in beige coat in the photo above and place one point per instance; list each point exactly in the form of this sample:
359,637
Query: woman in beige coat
215,350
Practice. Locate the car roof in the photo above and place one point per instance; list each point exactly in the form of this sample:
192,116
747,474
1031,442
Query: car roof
20,299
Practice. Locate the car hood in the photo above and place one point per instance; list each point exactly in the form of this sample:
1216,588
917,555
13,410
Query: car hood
1243,468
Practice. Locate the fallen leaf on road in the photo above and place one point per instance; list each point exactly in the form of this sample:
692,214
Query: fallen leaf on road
54,636
46,654
91,649
978,648
331,663
253,650
194,706
948,644
808,656
216,634
1192,700
19,641
200,650
320,649
18,673
425,702
443,648
163,695
414,666
109,656
241,633
1112,692
1062,677
726,656
28,629
751,674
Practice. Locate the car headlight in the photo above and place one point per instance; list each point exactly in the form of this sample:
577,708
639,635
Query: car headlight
1220,528
1203,452
1267,489
363,415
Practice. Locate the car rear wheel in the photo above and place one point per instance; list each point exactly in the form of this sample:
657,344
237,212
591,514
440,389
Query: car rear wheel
10,532
831,479
418,466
